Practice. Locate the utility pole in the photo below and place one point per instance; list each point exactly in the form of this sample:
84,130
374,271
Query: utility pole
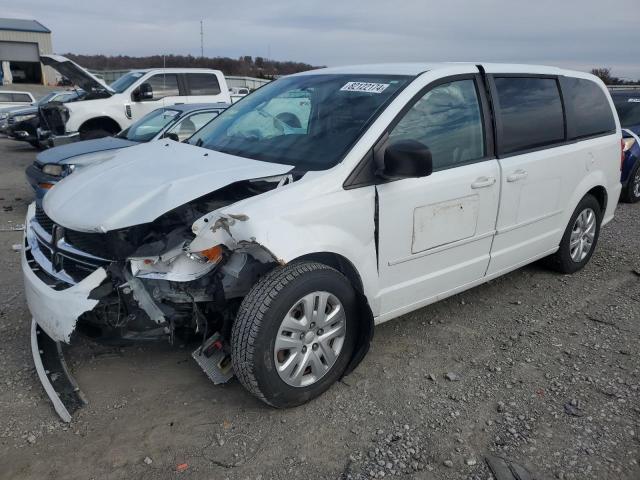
201,39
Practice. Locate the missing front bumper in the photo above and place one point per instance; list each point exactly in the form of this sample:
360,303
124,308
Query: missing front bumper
54,375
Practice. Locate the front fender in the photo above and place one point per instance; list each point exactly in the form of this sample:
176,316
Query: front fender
341,222
85,110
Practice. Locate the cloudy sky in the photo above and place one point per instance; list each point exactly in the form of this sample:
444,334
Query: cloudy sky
577,34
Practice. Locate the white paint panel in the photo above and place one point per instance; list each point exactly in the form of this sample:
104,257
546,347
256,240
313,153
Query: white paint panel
444,222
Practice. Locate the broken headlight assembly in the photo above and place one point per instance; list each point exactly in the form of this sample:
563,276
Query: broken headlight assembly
179,264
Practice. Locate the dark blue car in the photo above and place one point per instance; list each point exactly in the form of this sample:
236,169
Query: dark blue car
176,122
627,102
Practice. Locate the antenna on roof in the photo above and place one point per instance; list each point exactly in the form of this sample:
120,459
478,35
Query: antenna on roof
201,39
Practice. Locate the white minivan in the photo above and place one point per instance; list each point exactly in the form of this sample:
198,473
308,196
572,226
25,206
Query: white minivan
322,204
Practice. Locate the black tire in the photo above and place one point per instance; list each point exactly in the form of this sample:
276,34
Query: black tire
93,134
561,261
258,322
629,193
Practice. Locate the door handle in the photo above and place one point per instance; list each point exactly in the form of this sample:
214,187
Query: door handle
517,176
483,182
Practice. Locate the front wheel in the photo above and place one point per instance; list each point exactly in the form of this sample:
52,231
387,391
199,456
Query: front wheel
294,333
580,237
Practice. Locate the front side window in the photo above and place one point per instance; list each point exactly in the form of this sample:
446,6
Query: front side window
150,125
187,126
203,84
448,121
308,121
628,108
531,113
164,85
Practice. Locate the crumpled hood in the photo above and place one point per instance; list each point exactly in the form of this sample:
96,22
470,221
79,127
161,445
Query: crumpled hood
70,150
143,182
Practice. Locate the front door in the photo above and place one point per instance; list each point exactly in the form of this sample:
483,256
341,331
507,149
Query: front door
166,92
435,232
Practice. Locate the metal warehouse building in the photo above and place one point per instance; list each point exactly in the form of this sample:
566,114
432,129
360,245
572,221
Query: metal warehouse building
21,43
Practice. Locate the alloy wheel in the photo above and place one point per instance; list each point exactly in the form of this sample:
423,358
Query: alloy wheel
583,235
310,339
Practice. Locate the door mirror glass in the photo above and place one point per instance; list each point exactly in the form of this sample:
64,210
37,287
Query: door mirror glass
406,159
142,93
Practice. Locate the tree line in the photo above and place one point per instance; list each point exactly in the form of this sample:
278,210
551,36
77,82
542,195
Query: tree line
608,78
245,66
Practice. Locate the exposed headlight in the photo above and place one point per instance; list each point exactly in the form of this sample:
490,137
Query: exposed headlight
210,255
53,169
4,116
24,118
179,264
628,143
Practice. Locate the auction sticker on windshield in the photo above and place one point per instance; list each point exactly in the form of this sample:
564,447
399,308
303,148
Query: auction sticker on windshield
364,87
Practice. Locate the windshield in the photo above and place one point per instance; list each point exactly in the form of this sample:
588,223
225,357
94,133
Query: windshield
150,125
47,98
125,81
628,110
309,121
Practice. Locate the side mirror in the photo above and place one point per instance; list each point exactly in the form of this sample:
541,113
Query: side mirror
406,159
143,92
172,136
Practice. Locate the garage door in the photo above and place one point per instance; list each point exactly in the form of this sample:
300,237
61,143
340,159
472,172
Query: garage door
19,52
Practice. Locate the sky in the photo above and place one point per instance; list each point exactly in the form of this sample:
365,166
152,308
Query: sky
567,33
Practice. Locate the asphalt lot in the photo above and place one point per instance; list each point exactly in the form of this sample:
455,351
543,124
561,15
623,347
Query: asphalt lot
544,370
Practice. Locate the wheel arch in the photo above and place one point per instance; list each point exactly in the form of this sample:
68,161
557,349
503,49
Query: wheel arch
365,314
600,193
103,122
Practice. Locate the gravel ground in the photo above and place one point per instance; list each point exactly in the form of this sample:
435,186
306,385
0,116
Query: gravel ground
535,367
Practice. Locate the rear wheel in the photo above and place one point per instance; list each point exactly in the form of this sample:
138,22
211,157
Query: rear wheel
631,193
580,237
294,333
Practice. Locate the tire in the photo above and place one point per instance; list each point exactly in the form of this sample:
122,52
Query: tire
260,322
93,134
563,261
631,193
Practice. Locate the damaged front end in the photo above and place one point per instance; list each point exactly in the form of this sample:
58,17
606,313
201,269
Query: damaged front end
149,282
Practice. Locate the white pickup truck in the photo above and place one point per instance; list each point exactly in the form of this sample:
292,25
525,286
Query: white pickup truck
106,110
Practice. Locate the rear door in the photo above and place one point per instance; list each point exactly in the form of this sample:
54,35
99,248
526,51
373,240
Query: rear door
435,232
203,87
539,170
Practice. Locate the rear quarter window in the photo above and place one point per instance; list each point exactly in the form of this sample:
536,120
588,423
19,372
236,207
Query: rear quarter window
203,84
530,113
589,111
21,97
5,97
